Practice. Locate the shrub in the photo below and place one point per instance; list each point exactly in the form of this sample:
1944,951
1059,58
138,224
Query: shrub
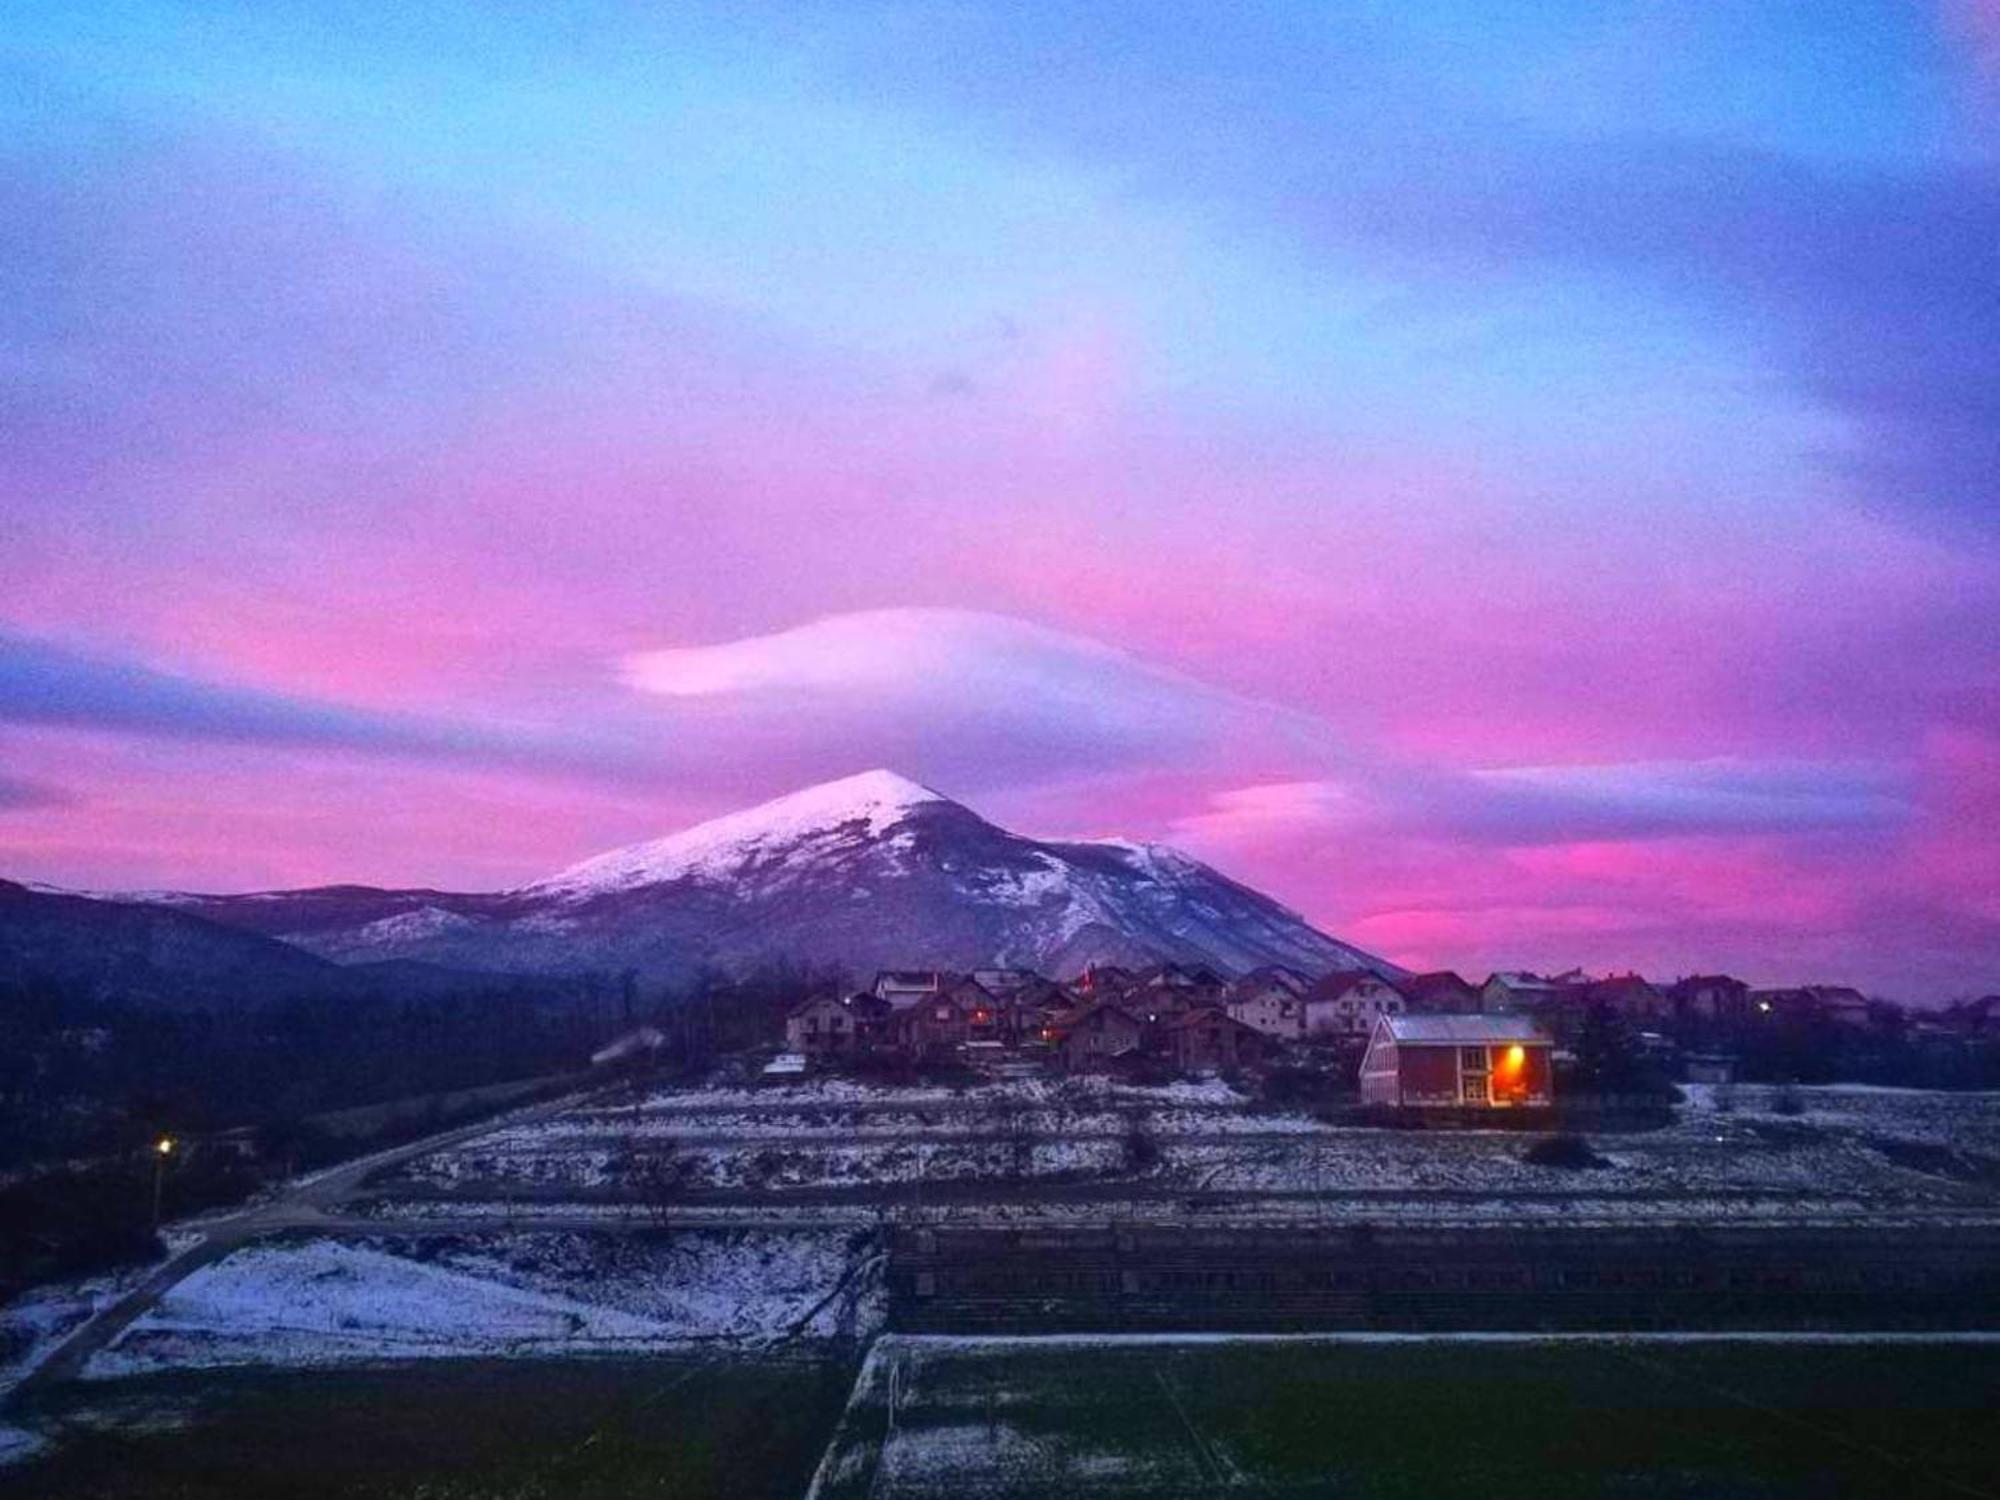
1570,1152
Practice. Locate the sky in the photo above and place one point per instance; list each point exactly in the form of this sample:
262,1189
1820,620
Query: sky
1519,484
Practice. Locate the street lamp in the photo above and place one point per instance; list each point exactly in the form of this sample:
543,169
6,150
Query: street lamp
162,1149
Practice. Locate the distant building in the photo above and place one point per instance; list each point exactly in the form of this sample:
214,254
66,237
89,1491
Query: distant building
1509,992
1203,1041
1440,993
821,1027
1627,996
906,987
1346,1003
1710,997
1271,1009
1812,1004
1271,977
1098,1037
1490,1062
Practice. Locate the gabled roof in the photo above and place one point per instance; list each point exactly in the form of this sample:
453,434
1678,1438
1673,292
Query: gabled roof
910,979
1619,986
1438,982
1338,983
1472,1030
1520,979
1277,975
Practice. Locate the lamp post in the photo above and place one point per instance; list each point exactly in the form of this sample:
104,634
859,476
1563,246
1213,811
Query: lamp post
162,1149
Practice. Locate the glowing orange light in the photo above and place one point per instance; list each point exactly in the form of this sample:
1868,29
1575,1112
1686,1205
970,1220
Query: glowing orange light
1517,1058
164,1145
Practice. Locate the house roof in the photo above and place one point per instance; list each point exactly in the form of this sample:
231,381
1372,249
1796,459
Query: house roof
1273,974
1469,1029
1338,983
912,979
1439,982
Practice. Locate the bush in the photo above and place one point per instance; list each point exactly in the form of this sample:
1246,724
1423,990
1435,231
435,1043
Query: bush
1569,1152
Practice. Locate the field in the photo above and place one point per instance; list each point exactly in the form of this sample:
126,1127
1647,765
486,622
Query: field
1382,1420
1057,1150
456,1430
1374,1420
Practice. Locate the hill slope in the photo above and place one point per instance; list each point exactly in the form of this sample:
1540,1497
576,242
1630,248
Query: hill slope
872,871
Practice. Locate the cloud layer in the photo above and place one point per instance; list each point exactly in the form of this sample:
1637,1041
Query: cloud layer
1520,485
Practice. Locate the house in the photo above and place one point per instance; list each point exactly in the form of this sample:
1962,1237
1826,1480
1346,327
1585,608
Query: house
1272,1009
1489,1062
1100,981
1515,992
1442,992
1099,1036
1203,1041
1841,1005
1710,997
1978,1019
935,1027
988,1018
870,1021
1812,1004
821,1027
1626,996
1346,1003
907,987
1271,977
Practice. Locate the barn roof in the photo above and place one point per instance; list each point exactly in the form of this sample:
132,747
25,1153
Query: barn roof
1473,1029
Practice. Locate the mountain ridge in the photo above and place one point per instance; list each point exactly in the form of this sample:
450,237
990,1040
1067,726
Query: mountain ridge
864,872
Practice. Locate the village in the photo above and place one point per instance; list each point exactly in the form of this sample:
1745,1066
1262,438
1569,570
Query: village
1430,1041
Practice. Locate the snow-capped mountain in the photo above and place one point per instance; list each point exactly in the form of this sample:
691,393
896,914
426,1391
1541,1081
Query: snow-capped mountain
871,871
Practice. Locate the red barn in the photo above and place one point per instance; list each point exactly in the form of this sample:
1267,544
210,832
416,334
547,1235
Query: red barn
1491,1062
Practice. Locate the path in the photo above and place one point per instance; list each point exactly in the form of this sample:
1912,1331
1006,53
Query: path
304,1203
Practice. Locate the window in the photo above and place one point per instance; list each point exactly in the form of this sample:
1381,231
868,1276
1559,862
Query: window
1472,1059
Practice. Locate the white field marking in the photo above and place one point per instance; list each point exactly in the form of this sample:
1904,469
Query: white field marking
864,1380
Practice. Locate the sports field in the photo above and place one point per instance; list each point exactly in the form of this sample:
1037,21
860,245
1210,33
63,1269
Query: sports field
1419,1420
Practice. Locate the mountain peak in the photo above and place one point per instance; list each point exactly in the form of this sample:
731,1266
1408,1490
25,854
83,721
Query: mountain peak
880,798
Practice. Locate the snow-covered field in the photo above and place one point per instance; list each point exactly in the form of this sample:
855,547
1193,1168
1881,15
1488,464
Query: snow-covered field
34,1323
327,1301
1845,1151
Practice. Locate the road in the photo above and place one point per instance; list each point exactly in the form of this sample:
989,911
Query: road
309,1202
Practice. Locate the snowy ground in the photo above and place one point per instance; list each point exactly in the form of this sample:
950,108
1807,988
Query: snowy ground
327,1301
34,1323
32,1326
1846,1152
